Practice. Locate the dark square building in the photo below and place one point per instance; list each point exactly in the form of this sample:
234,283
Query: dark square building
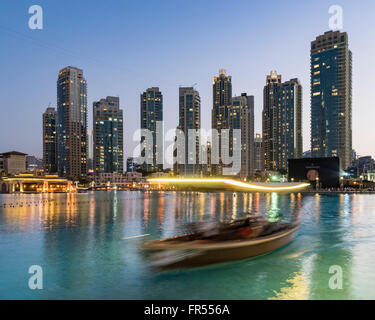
326,171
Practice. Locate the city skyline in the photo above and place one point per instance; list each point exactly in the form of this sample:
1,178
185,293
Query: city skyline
210,150
253,72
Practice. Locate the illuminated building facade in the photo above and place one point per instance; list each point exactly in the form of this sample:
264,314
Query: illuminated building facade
222,90
258,153
189,124
241,116
72,124
331,97
222,98
108,136
282,122
90,152
30,183
151,116
49,141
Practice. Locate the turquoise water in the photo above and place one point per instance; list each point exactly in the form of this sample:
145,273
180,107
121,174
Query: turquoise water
82,244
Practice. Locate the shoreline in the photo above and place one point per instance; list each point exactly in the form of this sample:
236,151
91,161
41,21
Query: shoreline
203,190
338,192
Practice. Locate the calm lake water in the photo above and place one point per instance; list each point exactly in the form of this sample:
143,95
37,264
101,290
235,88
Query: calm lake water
81,242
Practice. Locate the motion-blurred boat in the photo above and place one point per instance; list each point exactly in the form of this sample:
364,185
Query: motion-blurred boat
237,240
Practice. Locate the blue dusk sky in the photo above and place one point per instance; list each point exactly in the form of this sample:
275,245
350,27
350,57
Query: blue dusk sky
125,47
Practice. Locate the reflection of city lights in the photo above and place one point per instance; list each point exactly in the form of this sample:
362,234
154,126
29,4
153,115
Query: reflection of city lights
231,182
273,213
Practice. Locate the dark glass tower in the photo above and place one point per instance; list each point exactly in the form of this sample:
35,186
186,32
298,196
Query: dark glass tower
49,141
331,97
151,115
108,136
72,124
282,122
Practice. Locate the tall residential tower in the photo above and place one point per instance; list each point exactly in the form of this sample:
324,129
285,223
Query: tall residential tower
222,98
49,141
331,97
72,123
282,122
189,124
241,116
108,136
151,121
258,153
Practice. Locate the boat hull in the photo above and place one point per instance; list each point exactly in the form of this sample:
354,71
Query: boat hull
169,256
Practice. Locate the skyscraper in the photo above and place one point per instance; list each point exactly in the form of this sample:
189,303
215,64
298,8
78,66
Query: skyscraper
49,141
222,89
331,97
90,151
151,120
108,136
241,116
132,164
190,124
282,121
72,123
258,153
206,154
222,98
35,165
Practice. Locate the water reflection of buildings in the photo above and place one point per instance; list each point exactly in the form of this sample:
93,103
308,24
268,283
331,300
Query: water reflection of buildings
80,238
83,242
323,246
170,210
43,210
273,212
155,207
330,247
